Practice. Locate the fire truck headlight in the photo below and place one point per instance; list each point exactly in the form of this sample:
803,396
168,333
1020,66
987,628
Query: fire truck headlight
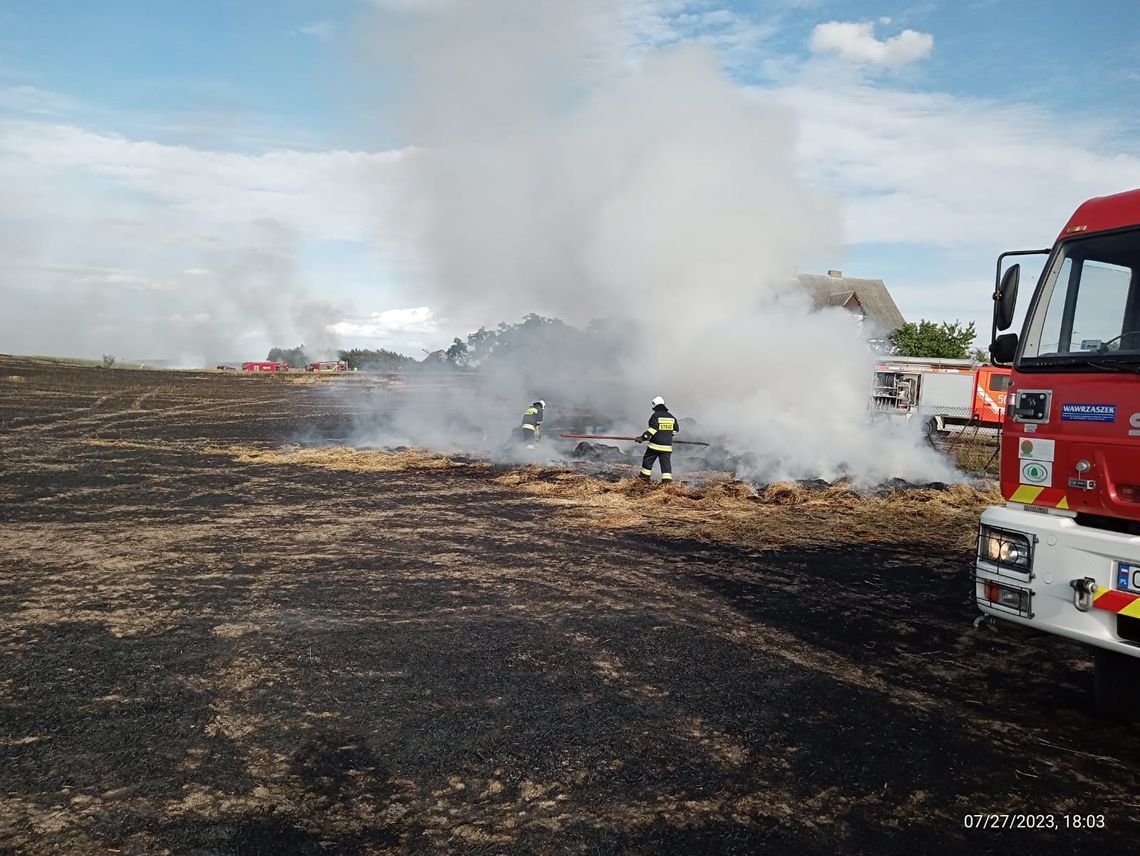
1003,547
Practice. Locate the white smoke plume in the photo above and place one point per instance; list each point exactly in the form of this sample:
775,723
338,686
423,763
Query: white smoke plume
563,167
152,251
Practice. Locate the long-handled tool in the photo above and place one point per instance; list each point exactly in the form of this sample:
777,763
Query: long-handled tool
619,437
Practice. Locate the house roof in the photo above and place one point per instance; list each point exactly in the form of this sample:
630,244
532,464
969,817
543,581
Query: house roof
868,295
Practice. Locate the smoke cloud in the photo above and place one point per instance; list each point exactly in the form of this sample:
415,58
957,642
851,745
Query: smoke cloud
151,251
563,167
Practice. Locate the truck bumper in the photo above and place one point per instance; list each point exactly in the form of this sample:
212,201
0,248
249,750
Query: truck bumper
1062,551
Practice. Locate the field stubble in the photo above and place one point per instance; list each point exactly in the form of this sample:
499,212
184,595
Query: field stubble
217,640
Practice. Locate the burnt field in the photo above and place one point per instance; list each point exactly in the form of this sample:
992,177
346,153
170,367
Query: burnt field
216,641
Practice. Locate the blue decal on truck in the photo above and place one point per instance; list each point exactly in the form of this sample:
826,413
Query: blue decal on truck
1088,412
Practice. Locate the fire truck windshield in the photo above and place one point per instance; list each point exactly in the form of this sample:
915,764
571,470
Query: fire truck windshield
1086,313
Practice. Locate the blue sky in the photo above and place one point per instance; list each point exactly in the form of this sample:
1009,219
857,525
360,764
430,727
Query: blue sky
285,61
148,146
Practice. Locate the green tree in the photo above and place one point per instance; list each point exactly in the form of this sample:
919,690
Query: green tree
457,353
296,357
379,360
515,341
947,340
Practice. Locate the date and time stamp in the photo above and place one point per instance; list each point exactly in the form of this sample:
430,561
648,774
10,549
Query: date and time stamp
1033,821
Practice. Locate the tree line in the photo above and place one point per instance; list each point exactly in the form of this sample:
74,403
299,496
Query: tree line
943,340
362,359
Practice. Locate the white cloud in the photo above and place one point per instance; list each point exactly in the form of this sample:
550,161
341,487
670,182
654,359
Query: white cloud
98,231
856,42
109,218
320,30
415,5
930,168
958,179
323,195
36,101
739,37
382,325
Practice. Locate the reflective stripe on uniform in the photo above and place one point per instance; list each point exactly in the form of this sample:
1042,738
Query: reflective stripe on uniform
666,424
528,426
646,472
666,477
657,448
650,431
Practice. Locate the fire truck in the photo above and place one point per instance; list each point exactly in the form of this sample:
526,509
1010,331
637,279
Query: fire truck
265,366
1062,555
943,392
327,366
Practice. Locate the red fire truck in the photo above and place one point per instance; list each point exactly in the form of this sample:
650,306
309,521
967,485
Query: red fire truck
327,366
1063,554
942,392
265,366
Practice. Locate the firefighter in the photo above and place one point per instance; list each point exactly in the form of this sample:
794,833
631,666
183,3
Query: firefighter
662,427
531,429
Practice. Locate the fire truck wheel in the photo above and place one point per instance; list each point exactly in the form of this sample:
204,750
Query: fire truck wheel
1116,684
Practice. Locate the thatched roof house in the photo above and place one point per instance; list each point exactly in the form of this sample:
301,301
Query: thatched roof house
868,298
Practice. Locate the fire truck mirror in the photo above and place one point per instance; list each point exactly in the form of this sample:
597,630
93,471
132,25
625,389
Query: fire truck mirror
1003,348
1005,298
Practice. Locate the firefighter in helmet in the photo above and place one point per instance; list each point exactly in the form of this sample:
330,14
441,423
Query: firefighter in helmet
531,429
662,427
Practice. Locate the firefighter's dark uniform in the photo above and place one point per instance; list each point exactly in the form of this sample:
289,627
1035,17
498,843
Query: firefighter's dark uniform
531,427
662,427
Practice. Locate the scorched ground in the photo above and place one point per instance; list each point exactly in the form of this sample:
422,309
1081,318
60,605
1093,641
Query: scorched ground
217,641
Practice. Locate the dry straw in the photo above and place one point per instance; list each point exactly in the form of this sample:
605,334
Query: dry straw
339,458
783,512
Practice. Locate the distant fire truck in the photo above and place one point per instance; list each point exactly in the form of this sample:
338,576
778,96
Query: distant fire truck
265,367
943,393
327,366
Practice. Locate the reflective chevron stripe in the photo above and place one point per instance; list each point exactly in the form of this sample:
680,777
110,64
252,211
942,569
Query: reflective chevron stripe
1120,602
1050,497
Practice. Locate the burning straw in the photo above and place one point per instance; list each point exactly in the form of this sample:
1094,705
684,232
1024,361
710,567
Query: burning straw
784,512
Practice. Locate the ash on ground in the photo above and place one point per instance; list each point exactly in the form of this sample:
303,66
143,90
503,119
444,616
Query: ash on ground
700,465
600,453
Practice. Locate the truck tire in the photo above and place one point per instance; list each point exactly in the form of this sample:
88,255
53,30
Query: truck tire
932,433
1116,683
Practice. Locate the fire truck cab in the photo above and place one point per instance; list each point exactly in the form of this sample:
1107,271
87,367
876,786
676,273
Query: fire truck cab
1063,554
991,388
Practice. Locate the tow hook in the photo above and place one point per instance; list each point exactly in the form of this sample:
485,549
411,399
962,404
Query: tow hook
1083,591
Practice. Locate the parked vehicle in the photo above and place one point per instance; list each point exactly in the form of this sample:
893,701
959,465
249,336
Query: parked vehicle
943,393
327,366
265,366
1062,555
